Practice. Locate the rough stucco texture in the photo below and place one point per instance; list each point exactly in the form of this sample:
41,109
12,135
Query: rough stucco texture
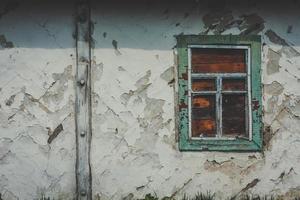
134,149
37,102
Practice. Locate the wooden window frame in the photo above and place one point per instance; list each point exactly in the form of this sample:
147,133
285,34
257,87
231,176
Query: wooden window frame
253,46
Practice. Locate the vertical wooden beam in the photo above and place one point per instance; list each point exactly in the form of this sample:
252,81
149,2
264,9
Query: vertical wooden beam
83,101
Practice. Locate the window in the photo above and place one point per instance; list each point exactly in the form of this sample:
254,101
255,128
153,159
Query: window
219,93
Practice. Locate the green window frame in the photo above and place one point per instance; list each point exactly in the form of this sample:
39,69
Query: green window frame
186,143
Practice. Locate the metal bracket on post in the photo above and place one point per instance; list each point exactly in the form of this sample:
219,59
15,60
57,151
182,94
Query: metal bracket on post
83,101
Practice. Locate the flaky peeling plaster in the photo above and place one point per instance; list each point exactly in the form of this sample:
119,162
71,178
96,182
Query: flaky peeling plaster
138,154
134,149
37,142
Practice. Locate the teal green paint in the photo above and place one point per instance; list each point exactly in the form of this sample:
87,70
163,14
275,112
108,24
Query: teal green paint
183,99
239,145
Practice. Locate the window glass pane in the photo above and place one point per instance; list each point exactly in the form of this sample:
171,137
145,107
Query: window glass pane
234,114
203,85
217,60
234,84
203,116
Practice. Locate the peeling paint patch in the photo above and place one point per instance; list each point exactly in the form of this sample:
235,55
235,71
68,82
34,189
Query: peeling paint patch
154,108
268,135
227,167
97,71
218,21
128,197
11,100
250,185
284,175
273,62
5,144
4,43
144,80
55,133
141,86
223,20
286,47
276,39
274,88
255,104
55,92
121,69
251,24
115,45
168,75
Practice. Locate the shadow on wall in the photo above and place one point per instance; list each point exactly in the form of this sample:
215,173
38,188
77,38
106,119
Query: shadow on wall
145,24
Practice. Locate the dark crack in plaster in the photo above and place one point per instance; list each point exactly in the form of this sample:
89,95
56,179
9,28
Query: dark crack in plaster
250,185
284,175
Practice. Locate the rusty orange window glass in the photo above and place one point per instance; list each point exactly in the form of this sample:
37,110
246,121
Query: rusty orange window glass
218,92
234,84
234,112
203,85
203,116
218,60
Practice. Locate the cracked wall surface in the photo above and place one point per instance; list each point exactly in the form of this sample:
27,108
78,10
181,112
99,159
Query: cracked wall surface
134,147
134,144
37,67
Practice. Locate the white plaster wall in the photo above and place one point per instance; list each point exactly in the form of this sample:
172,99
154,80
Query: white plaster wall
36,96
134,148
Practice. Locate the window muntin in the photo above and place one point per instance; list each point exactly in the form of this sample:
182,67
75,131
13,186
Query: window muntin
219,92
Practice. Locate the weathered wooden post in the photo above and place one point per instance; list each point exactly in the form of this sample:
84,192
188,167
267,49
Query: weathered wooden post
83,101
